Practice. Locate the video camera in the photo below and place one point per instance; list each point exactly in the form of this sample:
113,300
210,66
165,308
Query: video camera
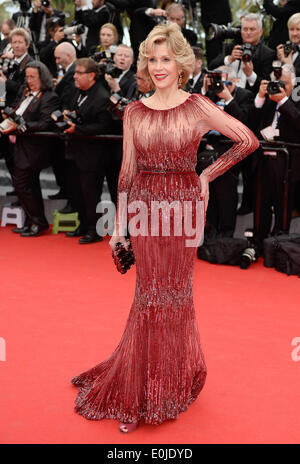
12,117
62,121
289,47
222,32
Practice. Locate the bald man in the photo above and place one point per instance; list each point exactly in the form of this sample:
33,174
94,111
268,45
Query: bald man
65,55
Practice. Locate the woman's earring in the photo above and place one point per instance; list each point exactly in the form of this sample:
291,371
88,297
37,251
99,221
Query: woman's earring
180,77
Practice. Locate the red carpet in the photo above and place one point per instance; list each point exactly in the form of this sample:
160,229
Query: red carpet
63,310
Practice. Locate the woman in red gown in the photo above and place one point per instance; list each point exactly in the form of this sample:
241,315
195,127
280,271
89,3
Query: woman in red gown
158,368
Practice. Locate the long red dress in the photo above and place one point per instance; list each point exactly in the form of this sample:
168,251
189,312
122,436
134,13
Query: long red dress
158,368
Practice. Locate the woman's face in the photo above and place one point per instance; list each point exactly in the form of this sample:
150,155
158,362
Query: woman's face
162,67
33,79
107,37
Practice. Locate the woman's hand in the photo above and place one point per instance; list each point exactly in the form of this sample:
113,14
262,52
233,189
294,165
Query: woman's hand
204,190
118,238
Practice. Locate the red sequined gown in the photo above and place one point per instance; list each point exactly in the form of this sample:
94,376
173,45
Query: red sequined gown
158,368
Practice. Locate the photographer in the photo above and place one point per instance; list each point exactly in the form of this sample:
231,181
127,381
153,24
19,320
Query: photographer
220,87
176,14
85,156
32,154
252,60
54,36
43,10
108,36
195,84
140,25
282,12
123,60
95,18
289,53
277,116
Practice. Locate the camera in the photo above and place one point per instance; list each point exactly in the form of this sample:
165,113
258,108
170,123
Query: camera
46,3
250,253
216,82
105,54
62,121
248,52
273,87
12,117
277,69
110,68
4,64
77,29
221,32
117,104
25,5
289,47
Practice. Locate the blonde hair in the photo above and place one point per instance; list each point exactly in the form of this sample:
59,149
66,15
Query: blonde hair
177,44
113,28
293,20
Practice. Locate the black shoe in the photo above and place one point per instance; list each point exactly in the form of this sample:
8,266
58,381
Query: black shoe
90,237
34,231
20,230
12,193
77,232
67,209
58,196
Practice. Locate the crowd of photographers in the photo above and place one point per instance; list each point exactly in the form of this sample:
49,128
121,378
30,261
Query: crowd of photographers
76,79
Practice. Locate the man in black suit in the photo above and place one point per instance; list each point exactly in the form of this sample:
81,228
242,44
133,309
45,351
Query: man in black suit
32,154
278,117
217,12
176,14
140,25
65,56
93,18
294,36
222,208
90,102
43,10
259,67
195,84
282,12
123,59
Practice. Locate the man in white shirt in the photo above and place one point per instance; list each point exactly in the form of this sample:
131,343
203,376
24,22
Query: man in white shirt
123,59
250,72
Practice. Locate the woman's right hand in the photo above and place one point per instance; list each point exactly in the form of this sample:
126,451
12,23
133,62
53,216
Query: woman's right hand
116,239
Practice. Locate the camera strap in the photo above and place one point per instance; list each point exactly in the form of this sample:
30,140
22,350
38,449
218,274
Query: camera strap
80,100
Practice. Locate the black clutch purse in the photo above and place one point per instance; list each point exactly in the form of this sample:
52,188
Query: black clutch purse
123,259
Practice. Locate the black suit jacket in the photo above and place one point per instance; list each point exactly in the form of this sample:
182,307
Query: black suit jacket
93,20
140,24
296,65
215,11
65,88
262,62
96,119
279,33
15,80
127,80
288,125
36,151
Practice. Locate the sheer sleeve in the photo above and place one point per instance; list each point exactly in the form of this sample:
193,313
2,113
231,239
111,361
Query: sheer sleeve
213,117
128,169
